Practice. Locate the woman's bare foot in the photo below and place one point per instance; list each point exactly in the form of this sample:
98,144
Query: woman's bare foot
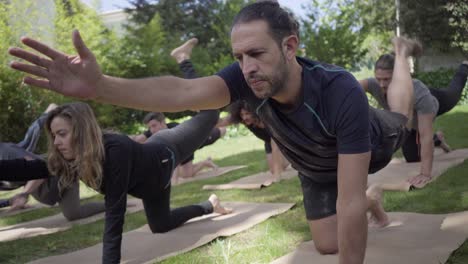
378,217
443,144
217,208
184,51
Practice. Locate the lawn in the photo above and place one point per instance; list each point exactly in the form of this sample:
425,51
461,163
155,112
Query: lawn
272,238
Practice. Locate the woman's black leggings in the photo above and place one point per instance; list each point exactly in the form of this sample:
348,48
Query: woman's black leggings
181,142
448,99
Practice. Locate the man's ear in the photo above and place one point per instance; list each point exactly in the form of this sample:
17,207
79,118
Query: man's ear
290,45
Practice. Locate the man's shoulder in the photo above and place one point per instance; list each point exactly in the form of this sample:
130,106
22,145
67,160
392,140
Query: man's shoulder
420,89
418,84
232,69
325,75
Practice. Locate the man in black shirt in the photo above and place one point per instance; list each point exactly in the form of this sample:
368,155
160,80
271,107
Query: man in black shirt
317,114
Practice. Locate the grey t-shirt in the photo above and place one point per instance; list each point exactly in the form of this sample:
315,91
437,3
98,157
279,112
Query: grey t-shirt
424,102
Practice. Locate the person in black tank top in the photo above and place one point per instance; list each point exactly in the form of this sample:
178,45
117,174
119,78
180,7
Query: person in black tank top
116,166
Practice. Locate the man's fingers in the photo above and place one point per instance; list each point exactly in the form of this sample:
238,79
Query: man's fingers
42,48
419,180
31,69
38,83
80,46
28,56
415,180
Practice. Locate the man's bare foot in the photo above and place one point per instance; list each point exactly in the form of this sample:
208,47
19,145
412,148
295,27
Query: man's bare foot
209,163
378,217
275,178
217,208
184,51
443,143
407,47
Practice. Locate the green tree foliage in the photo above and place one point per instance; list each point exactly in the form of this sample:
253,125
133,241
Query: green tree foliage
72,14
440,24
459,22
18,104
334,32
428,20
52,23
156,27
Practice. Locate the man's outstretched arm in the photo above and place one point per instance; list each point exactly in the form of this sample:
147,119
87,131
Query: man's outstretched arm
80,76
164,94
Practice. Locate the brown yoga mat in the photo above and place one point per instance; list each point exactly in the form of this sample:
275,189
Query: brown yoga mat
55,223
256,181
206,174
395,176
141,246
413,238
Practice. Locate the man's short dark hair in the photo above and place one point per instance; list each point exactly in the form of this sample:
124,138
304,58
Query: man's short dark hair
281,23
385,62
158,116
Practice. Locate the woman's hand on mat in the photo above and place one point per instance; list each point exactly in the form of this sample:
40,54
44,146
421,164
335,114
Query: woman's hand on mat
18,201
420,180
71,75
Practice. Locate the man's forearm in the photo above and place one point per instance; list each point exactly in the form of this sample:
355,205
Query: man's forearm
352,231
164,94
427,154
154,94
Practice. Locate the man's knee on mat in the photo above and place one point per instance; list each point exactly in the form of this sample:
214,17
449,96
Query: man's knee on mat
326,246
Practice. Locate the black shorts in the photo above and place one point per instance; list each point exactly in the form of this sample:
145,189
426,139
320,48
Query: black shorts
319,197
392,134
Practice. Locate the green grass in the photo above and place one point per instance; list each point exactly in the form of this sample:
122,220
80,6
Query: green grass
276,236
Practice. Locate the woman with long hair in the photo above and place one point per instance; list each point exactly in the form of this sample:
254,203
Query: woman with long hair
115,165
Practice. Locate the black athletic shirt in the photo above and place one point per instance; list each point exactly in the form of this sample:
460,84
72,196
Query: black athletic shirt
129,168
332,118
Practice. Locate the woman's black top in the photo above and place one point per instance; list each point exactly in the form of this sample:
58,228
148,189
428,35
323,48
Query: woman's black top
128,168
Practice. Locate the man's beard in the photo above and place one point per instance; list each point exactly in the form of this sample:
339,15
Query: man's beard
277,82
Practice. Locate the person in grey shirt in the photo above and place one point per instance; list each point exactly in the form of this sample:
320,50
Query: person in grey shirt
428,104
